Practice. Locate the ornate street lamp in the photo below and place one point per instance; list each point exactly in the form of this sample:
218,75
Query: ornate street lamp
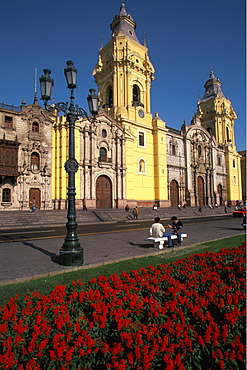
71,253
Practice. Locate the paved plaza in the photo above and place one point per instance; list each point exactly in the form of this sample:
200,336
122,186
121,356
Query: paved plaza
28,259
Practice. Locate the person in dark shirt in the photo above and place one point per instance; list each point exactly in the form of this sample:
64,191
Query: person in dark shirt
177,227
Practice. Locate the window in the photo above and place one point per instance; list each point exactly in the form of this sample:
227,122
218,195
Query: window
6,195
8,122
173,149
199,150
219,160
141,166
104,133
227,135
103,155
34,161
136,93
35,127
141,138
110,97
234,163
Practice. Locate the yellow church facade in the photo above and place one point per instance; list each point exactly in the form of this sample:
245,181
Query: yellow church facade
128,156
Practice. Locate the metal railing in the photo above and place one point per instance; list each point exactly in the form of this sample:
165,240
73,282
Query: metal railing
10,107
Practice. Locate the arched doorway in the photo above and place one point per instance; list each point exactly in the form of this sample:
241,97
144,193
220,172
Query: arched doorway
103,192
200,191
34,198
220,193
174,193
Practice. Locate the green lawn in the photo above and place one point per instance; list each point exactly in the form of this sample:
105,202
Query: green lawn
45,285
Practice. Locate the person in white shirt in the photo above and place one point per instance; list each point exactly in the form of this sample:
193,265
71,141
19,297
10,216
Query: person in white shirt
157,230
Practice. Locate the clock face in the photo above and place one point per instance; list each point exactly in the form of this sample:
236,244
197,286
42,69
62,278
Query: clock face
141,113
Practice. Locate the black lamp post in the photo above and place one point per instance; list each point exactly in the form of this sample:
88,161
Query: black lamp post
71,253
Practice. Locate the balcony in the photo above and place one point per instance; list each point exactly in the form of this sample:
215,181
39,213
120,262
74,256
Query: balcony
35,136
137,104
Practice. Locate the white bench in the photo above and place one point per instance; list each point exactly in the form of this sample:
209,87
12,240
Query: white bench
159,242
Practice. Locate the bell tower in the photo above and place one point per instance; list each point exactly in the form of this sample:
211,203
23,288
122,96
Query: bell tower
217,117
124,72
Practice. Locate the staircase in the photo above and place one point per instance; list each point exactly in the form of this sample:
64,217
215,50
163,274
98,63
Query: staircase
42,218
9,219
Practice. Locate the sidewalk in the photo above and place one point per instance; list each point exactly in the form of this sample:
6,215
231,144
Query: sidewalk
30,259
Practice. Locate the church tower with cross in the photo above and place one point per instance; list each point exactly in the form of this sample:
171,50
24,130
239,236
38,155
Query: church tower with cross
129,156
124,74
217,117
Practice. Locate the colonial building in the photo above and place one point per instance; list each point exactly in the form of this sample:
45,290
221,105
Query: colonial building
129,156
100,150
25,157
194,175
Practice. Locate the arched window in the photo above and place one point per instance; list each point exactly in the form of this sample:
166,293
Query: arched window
35,161
173,149
199,150
103,154
234,163
35,127
136,93
141,166
6,195
219,160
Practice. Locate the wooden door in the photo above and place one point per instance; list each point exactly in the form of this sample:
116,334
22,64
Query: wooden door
220,193
103,192
200,191
34,198
174,193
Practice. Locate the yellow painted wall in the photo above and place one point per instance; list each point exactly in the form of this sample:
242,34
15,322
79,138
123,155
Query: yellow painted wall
234,183
160,164
60,156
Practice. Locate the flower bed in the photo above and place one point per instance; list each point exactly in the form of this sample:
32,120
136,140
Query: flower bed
189,314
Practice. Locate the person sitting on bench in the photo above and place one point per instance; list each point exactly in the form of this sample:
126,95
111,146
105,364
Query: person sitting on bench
177,227
157,230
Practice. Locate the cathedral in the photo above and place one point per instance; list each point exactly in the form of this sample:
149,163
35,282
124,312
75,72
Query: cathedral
127,156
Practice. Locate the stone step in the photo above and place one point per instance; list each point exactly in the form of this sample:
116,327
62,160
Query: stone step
59,217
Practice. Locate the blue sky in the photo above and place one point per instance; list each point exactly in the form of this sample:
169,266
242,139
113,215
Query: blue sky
185,39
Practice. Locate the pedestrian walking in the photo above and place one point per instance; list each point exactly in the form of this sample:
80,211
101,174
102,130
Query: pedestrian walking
84,205
33,204
135,213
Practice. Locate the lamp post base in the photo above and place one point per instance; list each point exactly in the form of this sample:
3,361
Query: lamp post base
71,257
